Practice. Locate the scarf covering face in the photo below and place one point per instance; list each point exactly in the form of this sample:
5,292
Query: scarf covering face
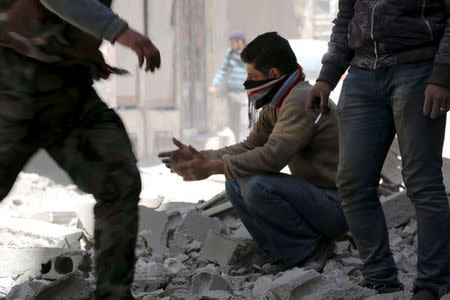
270,92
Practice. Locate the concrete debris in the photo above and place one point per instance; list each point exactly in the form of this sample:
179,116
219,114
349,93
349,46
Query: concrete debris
225,250
70,287
284,286
68,218
25,291
204,282
24,263
241,234
404,295
262,286
195,226
176,267
34,230
62,265
183,255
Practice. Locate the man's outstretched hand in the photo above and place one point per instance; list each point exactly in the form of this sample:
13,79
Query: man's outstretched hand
182,154
143,47
198,168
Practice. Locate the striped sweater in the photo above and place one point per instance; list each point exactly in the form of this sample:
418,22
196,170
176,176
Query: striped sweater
232,75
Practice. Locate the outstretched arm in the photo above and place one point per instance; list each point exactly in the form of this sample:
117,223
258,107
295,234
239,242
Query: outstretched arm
91,16
102,23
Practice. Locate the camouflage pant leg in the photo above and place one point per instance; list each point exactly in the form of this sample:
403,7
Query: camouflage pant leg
98,156
16,145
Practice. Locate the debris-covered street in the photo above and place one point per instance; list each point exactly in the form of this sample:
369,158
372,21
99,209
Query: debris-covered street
46,240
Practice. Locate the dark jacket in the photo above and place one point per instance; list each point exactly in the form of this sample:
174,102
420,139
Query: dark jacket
373,34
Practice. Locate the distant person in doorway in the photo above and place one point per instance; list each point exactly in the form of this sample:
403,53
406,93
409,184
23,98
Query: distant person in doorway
228,83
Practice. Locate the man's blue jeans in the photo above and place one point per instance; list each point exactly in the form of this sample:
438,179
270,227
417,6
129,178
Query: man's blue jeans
286,215
373,107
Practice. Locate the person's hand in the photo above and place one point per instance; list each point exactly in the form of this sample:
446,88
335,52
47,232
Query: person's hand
183,153
199,168
437,101
318,97
212,90
143,47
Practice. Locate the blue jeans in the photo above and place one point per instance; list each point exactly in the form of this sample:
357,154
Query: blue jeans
286,215
373,107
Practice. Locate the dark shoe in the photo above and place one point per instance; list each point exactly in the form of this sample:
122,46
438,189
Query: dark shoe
423,294
317,260
383,288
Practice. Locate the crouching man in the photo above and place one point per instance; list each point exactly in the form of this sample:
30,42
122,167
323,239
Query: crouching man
293,218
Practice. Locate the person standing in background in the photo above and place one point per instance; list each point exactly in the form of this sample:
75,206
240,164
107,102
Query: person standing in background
228,82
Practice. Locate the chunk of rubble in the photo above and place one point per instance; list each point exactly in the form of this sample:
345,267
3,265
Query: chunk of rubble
25,263
25,291
403,295
308,285
226,251
150,220
195,227
64,264
66,218
150,276
176,267
73,287
18,229
262,286
203,283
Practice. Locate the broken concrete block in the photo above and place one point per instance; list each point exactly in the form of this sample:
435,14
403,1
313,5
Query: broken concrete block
242,234
149,220
284,286
262,286
150,276
309,285
195,226
351,261
178,285
72,286
84,207
62,265
224,250
182,296
182,258
156,222
176,267
217,295
333,291
398,209
146,285
204,282
25,263
25,291
403,295
67,218
69,244
193,246
37,229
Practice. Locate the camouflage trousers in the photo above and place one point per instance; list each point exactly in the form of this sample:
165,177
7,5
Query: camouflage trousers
89,141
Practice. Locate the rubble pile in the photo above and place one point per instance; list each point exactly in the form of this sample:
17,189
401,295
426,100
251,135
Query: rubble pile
200,253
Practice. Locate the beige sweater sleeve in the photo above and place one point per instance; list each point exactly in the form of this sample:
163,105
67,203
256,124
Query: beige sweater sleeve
257,137
293,131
